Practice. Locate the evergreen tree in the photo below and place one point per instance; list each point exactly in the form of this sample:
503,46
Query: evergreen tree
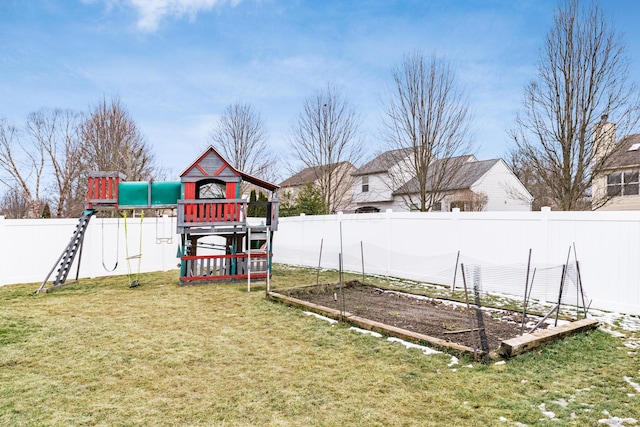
252,208
310,201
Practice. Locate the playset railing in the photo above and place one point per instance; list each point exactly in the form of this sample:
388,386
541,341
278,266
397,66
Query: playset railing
102,189
203,268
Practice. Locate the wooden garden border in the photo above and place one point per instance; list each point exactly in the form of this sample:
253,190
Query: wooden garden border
508,348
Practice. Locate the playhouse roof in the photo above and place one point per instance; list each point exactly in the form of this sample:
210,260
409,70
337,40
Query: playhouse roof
202,168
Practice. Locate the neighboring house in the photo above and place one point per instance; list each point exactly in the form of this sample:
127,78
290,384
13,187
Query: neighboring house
340,183
615,187
372,184
487,185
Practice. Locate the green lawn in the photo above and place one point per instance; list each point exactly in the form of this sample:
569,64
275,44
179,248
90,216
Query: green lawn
99,353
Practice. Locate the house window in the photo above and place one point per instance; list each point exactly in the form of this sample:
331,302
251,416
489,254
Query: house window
437,206
365,184
630,185
622,184
463,206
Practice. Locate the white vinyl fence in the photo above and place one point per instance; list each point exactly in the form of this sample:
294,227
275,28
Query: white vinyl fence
418,246
424,247
29,248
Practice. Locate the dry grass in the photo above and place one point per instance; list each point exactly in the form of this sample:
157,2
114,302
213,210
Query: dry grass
99,353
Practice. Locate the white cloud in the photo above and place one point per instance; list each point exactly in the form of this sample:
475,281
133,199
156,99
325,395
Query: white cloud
151,12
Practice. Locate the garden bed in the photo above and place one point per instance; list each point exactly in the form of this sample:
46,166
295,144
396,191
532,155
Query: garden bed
441,323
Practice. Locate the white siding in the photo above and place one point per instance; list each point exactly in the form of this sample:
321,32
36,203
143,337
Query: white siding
379,191
504,191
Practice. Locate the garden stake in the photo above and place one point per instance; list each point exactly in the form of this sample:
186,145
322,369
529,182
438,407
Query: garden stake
484,345
527,298
319,260
557,307
575,254
362,258
455,272
464,282
526,286
564,270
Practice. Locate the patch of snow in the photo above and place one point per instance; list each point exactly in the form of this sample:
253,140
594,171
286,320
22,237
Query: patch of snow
422,348
317,316
625,322
454,361
503,419
612,333
632,343
560,402
636,386
364,331
502,362
548,414
617,421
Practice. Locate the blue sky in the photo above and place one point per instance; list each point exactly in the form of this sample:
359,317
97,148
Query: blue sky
176,64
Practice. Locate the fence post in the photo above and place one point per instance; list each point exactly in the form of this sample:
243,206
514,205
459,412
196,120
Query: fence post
389,219
3,256
544,225
301,251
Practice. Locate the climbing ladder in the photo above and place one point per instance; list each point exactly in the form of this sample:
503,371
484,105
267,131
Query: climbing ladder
69,254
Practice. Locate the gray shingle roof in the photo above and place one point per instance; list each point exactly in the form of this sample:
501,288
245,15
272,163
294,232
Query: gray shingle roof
308,175
383,162
468,173
622,157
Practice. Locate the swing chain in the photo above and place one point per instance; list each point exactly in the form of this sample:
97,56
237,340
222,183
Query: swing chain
117,247
135,282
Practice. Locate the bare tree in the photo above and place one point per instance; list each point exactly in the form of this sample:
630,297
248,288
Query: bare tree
470,201
426,126
325,138
241,137
56,133
23,163
112,142
582,76
14,204
522,170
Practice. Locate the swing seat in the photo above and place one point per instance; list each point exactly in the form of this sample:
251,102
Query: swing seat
135,256
134,284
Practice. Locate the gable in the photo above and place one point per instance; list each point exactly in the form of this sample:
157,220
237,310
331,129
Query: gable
210,165
311,174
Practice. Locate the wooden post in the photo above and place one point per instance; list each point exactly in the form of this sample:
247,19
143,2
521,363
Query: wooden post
249,259
268,287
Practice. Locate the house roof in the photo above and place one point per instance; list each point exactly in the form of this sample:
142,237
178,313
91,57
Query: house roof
623,157
383,162
203,170
470,171
309,175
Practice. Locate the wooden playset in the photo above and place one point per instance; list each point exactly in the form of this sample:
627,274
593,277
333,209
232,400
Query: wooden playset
207,203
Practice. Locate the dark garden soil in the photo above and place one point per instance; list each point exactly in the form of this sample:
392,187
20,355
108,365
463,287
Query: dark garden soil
446,320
